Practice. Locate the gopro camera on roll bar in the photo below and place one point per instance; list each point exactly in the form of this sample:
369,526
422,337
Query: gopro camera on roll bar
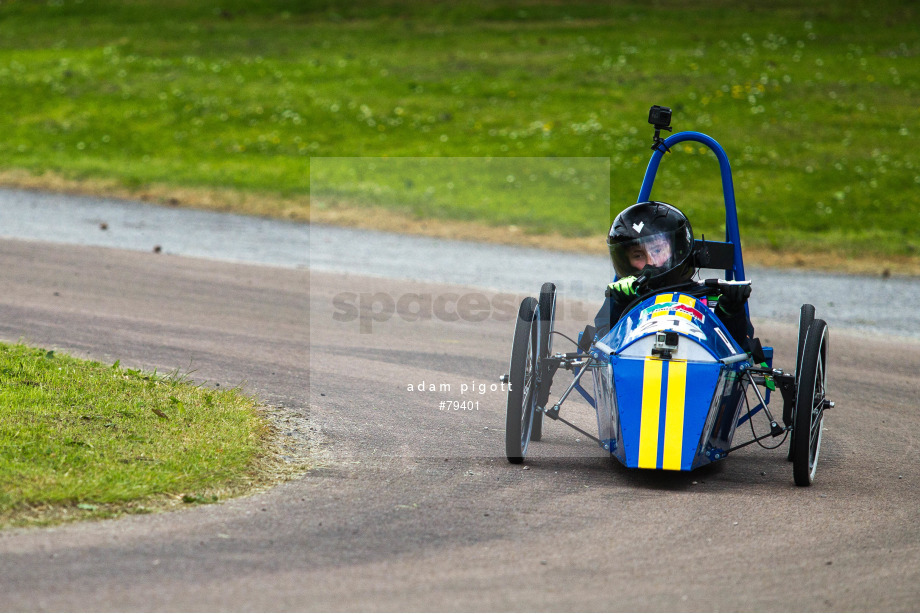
660,117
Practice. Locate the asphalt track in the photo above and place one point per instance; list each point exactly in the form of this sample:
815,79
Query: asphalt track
414,507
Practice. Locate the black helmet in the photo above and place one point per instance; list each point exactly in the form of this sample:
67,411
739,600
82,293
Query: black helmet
653,236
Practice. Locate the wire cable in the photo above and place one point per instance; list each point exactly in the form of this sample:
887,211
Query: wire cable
747,403
556,332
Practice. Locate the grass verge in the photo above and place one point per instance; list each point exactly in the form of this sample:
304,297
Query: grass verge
80,439
814,103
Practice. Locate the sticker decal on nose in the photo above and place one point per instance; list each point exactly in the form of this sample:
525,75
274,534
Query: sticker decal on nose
638,227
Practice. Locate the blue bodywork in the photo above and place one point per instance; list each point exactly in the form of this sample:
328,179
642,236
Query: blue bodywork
676,412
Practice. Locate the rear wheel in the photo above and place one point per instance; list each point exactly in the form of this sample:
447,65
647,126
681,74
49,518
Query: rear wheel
522,381
806,317
547,324
811,392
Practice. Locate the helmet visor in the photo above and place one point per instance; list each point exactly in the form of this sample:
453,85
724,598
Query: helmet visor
660,251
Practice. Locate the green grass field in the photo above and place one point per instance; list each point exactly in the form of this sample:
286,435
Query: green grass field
815,103
80,439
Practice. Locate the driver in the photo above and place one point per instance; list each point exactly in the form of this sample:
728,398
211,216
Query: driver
651,244
656,252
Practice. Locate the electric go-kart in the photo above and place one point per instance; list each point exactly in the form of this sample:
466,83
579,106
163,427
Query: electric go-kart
671,386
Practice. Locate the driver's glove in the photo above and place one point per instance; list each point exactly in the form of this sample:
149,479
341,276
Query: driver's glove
733,299
621,289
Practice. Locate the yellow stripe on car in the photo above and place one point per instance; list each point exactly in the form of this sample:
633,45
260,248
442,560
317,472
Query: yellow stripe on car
651,409
674,415
675,386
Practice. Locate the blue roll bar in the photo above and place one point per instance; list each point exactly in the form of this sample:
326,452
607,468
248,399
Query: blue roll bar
732,234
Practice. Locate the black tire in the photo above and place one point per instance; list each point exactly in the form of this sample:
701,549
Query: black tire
525,349
811,391
547,324
806,317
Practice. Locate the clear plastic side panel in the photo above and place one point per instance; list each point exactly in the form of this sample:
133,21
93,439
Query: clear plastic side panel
687,316
723,417
606,400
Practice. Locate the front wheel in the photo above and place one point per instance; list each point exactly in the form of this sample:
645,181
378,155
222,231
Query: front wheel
806,317
811,393
547,325
525,348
